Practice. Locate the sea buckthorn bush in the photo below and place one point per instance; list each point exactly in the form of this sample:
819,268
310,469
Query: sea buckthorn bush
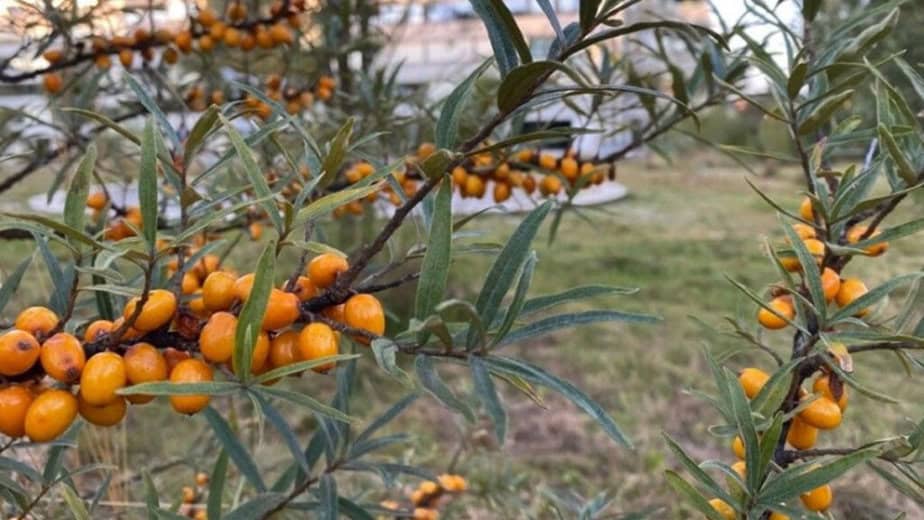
818,320
248,132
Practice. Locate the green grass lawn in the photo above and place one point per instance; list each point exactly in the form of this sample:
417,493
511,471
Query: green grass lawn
683,229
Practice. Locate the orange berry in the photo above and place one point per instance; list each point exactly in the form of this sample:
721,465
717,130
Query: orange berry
830,283
218,291
818,499
501,192
822,386
547,161
52,82
336,313
281,34
549,185
474,186
49,415
752,380
804,231
37,321
183,41
722,507
790,262
459,174
816,248
801,435
126,58
806,210
317,340
206,43
102,376
248,42
173,357
157,311
261,350
255,229
190,283
102,62
740,468
207,16
216,340
197,304
97,200
62,357
529,184
264,40
284,349
856,232
53,56
170,56
109,414
281,310
304,289
217,31
144,364
190,371
324,268
849,291
569,168
783,305
424,150
526,155
237,11
364,311
189,495
14,402
202,479
738,447
243,286
19,351
822,413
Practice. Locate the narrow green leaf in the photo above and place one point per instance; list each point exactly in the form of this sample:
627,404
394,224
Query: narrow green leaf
75,205
519,84
433,383
119,129
170,388
301,366
235,450
796,480
540,303
336,153
254,174
447,126
251,316
327,493
699,475
329,202
494,15
76,505
153,108
519,299
257,507
487,393
200,130
823,111
506,266
561,321
434,271
288,436
692,496
810,272
9,286
588,13
385,352
902,163
873,296
567,390
796,79
217,486
147,183
306,402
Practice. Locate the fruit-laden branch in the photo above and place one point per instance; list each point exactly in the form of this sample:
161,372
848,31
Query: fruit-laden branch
152,41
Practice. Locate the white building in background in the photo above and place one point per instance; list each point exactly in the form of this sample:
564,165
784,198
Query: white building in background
439,42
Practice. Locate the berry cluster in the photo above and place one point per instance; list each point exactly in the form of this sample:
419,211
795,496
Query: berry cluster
161,337
428,496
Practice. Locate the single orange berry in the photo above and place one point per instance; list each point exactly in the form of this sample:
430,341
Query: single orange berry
126,58
243,285
281,310
364,311
547,161
336,313
14,403
806,209
740,468
501,192
255,229
189,283
102,376
569,168
173,357
304,289
216,340
38,321
722,507
830,283
822,386
97,200
260,355
19,351
190,371
202,479
52,82
317,340
816,248
284,349
801,435
782,305
737,446
856,232
818,499
474,186
157,311
50,414
106,415
549,185
752,380
144,364
849,291
62,357
822,413
218,291
804,231
189,495
324,268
